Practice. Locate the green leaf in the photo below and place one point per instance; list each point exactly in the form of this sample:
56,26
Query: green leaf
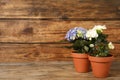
86,48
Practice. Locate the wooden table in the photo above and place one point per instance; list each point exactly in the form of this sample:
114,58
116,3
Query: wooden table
53,70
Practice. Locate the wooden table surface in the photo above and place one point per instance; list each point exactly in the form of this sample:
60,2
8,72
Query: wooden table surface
53,70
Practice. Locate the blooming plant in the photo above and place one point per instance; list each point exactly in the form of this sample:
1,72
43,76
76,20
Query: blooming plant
98,43
77,36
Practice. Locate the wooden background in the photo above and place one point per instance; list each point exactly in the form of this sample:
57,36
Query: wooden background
31,30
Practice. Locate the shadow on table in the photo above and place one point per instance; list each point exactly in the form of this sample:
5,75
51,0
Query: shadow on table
115,69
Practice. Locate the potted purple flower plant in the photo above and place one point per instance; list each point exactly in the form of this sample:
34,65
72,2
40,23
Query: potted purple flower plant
80,45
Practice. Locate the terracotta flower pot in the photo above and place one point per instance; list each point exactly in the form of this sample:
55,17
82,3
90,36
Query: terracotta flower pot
101,65
81,62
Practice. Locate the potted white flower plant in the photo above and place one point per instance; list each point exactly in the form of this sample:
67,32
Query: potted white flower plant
77,36
99,50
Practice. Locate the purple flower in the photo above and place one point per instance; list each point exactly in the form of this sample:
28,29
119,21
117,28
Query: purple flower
75,33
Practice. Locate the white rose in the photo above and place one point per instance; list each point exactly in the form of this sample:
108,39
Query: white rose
110,45
91,45
99,27
91,34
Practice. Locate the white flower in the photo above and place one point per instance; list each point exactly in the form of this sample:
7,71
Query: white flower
91,34
91,45
99,27
110,45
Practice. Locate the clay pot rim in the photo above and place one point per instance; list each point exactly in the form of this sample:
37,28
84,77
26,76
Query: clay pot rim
101,59
79,55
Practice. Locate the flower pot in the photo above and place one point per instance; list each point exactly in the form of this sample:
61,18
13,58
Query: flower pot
101,65
81,62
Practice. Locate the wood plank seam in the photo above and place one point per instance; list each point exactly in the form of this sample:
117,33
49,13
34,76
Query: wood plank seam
64,19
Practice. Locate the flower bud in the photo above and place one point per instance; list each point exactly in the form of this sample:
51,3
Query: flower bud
110,45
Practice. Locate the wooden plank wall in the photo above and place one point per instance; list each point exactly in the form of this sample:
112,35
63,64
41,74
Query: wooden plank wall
30,30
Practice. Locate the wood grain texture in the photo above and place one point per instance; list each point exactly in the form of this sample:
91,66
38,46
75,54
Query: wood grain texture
33,52
40,52
31,30
82,9
49,31
51,70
